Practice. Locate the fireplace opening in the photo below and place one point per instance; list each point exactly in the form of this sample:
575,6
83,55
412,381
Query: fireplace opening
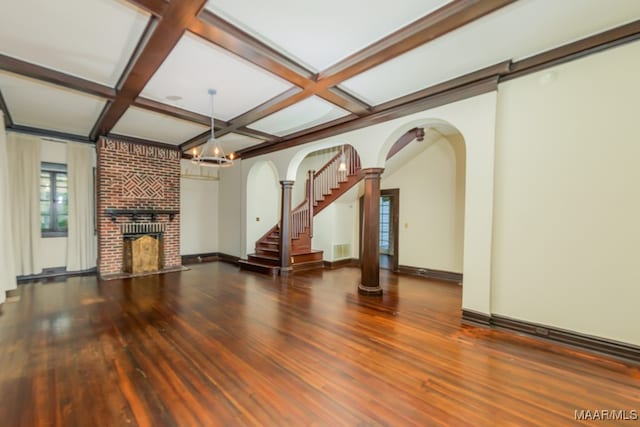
142,253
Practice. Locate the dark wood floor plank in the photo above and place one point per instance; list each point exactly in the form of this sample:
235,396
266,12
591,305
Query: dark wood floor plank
213,346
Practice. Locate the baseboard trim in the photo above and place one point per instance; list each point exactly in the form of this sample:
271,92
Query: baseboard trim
447,276
55,273
476,318
347,262
600,345
209,257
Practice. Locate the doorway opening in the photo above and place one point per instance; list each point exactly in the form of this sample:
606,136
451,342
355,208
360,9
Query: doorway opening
389,210
388,229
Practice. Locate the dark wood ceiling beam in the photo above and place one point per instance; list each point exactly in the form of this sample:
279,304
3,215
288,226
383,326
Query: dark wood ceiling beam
156,8
221,33
438,23
454,94
38,72
253,133
46,133
587,46
177,112
345,100
8,121
202,138
499,69
273,105
195,141
177,17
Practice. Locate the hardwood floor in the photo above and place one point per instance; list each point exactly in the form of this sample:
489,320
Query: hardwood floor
212,346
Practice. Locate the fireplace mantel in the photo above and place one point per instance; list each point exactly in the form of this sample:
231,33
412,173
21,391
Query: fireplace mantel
136,214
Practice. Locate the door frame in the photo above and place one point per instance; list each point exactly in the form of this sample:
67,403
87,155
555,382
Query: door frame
394,193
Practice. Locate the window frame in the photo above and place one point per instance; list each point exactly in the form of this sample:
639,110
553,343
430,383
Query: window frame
54,169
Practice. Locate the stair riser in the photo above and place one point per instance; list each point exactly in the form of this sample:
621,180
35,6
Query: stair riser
263,260
308,257
270,270
268,253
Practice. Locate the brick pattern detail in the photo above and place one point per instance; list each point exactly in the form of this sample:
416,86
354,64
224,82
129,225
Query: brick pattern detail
136,176
142,186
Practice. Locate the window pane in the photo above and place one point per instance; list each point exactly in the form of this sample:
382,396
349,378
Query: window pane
45,222
61,180
62,223
45,186
61,202
61,208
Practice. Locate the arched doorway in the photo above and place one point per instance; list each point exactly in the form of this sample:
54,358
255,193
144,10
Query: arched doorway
263,201
425,180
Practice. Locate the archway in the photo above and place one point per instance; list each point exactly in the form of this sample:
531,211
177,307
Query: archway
263,201
334,193
429,176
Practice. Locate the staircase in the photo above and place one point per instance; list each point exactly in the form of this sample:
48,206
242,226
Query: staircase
322,189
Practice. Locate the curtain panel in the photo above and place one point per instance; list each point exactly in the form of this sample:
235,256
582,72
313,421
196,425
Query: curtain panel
7,261
81,241
24,183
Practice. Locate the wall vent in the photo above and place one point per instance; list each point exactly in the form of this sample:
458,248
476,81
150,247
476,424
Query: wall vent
342,251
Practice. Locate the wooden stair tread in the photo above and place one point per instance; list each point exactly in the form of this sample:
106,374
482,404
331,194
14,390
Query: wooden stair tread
258,267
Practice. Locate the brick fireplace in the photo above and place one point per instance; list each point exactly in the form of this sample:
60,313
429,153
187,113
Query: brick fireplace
138,195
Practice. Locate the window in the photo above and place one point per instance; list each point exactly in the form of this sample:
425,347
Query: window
53,200
385,223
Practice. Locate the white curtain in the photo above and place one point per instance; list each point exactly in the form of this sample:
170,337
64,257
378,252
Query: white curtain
24,183
7,261
81,242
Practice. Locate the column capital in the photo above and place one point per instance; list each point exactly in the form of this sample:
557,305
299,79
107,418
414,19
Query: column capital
372,172
287,183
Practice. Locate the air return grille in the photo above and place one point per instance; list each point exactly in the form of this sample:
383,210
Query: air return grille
342,251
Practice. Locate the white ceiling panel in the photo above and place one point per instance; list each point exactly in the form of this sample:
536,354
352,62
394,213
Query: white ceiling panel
195,65
320,33
305,114
144,124
46,106
517,31
233,142
92,39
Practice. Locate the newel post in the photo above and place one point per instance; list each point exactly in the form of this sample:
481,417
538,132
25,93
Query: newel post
285,227
311,197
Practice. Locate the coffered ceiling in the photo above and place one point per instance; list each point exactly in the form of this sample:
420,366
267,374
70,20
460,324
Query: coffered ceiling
286,72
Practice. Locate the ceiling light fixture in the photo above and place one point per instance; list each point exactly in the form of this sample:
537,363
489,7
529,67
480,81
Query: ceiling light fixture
212,154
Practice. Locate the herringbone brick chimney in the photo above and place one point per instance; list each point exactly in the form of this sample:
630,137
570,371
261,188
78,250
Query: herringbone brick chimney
136,176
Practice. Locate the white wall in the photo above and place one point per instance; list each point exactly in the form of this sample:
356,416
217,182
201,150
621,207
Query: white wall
337,224
566,227
198,209
431,187
262,203
230,210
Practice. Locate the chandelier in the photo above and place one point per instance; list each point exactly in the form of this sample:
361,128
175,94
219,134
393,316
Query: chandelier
211,154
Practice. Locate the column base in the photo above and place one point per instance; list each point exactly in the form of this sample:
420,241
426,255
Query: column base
369,290
285,271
